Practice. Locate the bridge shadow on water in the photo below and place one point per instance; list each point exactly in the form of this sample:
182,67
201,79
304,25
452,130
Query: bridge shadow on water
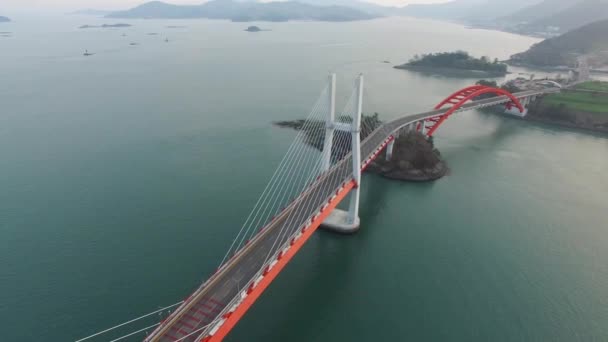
296,305
302,302
505,130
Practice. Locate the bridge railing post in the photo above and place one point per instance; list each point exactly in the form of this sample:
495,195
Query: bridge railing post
329,124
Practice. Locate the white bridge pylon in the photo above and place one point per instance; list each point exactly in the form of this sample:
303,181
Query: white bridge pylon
346,222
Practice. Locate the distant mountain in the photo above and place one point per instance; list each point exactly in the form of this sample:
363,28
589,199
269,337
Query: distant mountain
538,11
470,11
578,14
90,11
245,11
364,6
555,16
453,10
4,19
590,40
489,10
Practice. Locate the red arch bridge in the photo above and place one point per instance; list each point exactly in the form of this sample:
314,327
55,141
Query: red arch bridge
301,196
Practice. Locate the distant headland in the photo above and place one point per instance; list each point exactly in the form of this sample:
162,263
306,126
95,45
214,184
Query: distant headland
4,19
565,51
104,26
242,11
457,63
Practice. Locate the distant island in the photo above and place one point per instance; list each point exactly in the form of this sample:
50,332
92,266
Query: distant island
4,19
104,26
253,29
244,11
458,63
589,41
415,158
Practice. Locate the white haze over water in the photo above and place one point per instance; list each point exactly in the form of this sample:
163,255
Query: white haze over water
62,5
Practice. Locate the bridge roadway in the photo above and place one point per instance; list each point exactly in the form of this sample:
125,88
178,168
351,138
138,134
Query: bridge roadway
193,320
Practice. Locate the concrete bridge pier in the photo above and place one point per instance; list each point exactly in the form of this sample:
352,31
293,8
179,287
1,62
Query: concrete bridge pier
341,221
525,102
391,146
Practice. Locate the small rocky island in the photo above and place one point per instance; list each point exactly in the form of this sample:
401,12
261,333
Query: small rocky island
105,26
457,63
414,159
4,19
253,29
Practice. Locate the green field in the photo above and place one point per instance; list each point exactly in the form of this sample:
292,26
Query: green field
593,85
585,102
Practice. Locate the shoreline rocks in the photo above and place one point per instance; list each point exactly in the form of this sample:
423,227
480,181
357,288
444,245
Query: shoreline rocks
414,159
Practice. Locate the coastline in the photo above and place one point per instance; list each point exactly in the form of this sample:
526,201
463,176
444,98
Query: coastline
451,72
535,118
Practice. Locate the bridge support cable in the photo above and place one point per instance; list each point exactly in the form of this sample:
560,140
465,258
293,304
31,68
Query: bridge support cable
329,124
129,322
293,152
292,168
301,180
343,147
298,182
295,181
295,219
306,181
135,332
280,188
297,226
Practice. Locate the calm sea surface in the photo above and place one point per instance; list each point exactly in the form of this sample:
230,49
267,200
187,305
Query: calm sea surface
125,175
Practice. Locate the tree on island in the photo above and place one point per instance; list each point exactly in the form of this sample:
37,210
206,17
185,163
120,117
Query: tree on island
487,83
456,60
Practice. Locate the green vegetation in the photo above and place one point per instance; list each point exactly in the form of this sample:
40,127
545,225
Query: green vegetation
579,101
594,86
590,40
458,60
584,107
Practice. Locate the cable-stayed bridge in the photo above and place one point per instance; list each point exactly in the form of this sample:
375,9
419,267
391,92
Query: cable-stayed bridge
321,167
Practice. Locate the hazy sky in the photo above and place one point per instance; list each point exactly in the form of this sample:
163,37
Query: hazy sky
123,4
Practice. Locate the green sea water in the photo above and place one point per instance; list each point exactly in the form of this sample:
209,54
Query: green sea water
125,175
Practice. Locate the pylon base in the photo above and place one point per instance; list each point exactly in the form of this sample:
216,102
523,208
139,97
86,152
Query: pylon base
338,222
